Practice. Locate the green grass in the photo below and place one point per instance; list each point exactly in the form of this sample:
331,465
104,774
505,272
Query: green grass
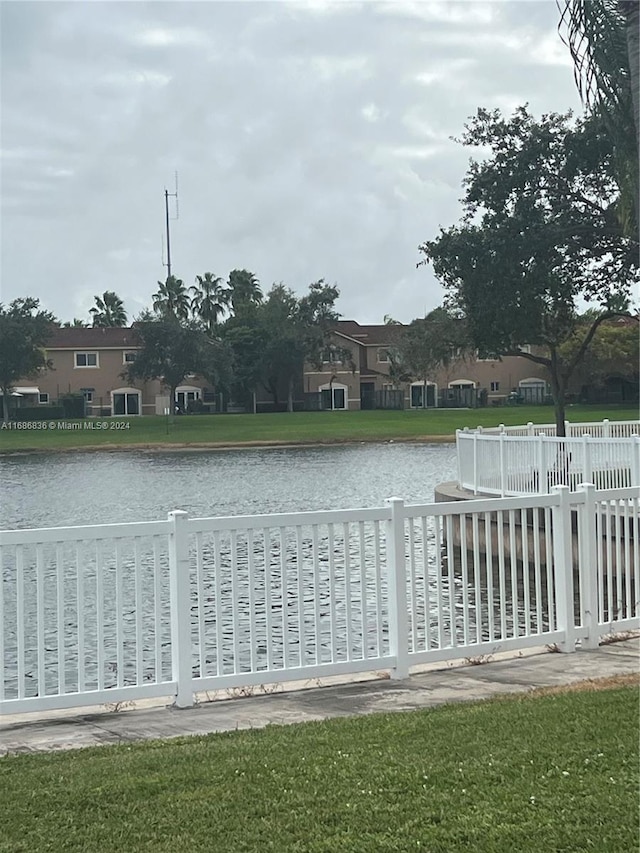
538,774
295,427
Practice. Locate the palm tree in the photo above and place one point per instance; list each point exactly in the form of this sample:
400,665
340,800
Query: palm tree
172,299
245,289
75,324
109,310
210,299
604,39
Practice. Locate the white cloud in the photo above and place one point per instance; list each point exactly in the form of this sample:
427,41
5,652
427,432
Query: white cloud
164,36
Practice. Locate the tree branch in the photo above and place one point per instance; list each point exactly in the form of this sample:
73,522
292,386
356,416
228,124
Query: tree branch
537,359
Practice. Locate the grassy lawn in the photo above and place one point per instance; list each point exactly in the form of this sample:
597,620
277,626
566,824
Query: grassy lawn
536,773
293,427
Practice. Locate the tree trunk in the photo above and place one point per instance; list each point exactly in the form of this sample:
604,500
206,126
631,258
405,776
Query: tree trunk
290,395
5,403
255,405
558,392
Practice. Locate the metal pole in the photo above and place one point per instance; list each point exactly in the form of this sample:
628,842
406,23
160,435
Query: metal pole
166,209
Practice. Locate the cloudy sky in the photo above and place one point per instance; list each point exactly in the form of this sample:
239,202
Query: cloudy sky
311,140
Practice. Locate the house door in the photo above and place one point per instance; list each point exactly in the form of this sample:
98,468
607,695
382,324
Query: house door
183,398
367,395
126,404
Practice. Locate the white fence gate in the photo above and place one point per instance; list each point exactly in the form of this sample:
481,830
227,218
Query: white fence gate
107,613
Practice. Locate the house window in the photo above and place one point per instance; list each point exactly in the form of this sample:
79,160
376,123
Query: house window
383,356
128,357
495,386
87,393
330,356
86,359
43,398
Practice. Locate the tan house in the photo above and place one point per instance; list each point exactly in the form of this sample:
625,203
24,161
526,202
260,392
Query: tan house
354,374
363,381
91,362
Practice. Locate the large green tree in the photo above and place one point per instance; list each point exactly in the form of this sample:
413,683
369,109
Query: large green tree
425,346
298,330
108,310
272,337
539,234
24,331
170,350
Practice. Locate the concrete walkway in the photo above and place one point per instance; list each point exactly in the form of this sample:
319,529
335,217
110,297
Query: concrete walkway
454,684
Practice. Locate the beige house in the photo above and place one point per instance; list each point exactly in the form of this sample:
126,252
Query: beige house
363,381
354,374
91,362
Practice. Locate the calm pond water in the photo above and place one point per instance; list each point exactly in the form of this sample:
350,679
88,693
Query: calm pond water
60,489
291,608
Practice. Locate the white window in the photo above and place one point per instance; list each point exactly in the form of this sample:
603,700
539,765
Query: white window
383,356
86,359
87,393
128,357
330,356
495,386
526,348
43,398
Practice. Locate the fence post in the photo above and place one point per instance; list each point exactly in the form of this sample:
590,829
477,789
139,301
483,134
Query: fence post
503,472
635,461
180,599
606,428
398,609
563,567
586,452
475,463
529,427
588,566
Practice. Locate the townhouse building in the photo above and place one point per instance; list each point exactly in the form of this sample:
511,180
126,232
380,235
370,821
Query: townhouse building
354,374
92,362
362,379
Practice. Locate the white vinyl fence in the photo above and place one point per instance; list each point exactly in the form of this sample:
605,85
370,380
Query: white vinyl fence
601,429
506,464
108,613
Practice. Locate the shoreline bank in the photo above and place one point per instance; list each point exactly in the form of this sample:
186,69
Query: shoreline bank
231,445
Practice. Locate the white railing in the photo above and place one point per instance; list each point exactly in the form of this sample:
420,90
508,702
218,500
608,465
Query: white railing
604,429
104,614
506,464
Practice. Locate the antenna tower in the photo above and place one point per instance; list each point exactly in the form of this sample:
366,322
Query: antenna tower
167,196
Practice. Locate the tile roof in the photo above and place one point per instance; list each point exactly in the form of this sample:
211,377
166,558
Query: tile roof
75,337
368,335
